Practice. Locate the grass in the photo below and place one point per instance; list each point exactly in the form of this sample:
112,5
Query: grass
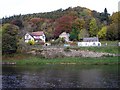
107,49
68,60
109,42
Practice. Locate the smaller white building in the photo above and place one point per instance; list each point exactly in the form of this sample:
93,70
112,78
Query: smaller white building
65,36
92,41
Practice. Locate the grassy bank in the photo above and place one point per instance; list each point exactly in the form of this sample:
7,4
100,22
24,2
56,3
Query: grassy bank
109,42
106,49
22,59
71,60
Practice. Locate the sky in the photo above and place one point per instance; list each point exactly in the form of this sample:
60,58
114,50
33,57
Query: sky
16,7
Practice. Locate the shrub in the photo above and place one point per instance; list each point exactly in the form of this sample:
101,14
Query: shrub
67,49
31,42
22,46
58,41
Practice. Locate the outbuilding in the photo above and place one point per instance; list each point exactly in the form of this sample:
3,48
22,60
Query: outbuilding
92,41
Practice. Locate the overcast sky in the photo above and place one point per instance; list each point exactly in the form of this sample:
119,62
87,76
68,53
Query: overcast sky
16,7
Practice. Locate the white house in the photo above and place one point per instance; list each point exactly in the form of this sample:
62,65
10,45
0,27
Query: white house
38,36
65,36
28,37
92,41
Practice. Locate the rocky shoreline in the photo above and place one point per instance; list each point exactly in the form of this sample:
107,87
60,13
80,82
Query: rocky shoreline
63,52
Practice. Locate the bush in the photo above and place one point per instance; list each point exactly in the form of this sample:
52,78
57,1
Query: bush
67,49
22,46
31,42
58,41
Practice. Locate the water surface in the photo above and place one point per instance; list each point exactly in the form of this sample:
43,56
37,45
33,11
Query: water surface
60,76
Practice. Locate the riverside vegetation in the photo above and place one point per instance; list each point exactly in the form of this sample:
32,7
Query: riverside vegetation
26,59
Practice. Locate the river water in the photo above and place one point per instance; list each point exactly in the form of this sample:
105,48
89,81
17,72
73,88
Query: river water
60,76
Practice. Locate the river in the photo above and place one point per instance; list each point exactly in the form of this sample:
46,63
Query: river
60,76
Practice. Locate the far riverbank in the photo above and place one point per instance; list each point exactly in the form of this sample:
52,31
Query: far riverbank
29,59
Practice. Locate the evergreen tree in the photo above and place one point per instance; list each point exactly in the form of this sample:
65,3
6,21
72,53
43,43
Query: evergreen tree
105,16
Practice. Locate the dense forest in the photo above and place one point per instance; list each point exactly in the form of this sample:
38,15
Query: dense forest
80,22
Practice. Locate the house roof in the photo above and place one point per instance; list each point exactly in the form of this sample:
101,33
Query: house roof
38,33
64,34
90,39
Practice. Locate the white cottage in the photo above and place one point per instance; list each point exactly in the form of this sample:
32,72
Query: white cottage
92,41
38,36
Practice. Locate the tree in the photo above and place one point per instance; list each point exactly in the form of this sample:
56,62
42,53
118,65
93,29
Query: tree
115,18
102,33
112,32
77,25
9,39
63,24
49,34
105,16
93,27
74,34
48,28
83,33
18,23
36,23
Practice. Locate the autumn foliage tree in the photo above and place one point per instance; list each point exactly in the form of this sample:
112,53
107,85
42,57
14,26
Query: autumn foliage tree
63,24
18,23
36,23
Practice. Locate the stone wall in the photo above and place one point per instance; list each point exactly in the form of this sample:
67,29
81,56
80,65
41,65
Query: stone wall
61,52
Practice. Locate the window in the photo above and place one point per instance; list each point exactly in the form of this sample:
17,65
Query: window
27,36
93,43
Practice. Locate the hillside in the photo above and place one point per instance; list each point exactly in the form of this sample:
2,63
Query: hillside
78,21
78,11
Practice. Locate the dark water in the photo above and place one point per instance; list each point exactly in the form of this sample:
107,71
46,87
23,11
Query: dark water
60,76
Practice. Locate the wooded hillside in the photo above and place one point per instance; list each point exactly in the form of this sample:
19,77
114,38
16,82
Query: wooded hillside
78,21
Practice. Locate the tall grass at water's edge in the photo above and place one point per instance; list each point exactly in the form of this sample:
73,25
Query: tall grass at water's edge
67,60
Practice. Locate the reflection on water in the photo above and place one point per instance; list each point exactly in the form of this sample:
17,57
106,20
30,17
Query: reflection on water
60,76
